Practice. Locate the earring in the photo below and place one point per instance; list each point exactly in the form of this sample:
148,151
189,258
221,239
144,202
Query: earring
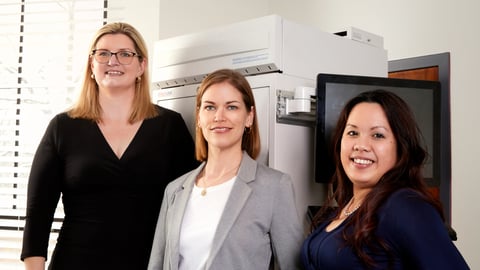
92,76
248,130
139,79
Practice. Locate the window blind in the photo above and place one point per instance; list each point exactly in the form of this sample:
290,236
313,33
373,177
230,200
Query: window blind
43,52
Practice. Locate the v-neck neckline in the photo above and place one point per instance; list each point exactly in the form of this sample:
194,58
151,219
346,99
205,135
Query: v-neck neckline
121,157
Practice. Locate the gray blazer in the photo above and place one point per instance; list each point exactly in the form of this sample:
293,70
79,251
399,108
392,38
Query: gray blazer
259,220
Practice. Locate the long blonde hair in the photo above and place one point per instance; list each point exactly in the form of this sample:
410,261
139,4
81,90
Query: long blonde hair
88,106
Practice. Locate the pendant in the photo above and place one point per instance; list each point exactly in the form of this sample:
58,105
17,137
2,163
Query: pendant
204,192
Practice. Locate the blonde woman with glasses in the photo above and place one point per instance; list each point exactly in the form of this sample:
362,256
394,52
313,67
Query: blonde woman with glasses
109,158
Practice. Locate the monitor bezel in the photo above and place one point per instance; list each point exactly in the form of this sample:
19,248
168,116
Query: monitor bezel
441,131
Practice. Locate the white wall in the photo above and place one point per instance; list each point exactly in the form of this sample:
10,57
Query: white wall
142,14
410,28
185,16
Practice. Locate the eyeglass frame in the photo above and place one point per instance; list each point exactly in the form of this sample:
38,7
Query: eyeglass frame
134,54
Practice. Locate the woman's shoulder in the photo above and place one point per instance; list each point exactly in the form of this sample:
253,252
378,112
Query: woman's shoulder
272,177
62,116
64,119
407,204
414,228
252,171
262,170
180,181
405,193
162,111
166,117
405,198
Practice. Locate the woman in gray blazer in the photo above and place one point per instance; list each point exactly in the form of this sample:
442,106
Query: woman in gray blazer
231,212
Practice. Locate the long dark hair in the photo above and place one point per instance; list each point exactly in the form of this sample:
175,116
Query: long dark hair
359,230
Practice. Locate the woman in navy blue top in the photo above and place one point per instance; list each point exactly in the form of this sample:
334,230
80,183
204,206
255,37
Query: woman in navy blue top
385,218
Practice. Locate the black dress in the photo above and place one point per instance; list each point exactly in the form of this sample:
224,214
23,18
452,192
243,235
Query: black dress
111,204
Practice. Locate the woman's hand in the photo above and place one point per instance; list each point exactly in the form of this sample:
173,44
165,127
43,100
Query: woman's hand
34,263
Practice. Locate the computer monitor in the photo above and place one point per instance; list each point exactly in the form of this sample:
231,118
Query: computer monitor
423,97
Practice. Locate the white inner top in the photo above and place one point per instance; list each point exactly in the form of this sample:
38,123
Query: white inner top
200,221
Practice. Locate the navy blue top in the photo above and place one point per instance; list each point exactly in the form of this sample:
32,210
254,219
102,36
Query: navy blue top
411,227
111,204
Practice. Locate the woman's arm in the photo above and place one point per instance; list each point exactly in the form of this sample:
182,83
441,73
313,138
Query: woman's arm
34,263
43,195
415,229
157,253
287,230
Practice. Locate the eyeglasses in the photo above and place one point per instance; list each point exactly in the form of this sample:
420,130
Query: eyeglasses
123,57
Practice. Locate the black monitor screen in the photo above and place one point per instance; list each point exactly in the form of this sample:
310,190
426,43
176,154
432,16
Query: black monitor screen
334,91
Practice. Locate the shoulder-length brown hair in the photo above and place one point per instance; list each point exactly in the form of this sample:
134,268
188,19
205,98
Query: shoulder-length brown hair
407,172
88,106
251,136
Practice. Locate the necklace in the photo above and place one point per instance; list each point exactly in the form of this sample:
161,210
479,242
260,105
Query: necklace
348,213
215,180
204,190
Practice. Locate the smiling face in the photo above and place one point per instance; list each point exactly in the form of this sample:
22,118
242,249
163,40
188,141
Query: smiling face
368,146
113,75
223,117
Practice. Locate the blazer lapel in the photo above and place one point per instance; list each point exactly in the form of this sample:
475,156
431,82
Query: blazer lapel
238,196
178,204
